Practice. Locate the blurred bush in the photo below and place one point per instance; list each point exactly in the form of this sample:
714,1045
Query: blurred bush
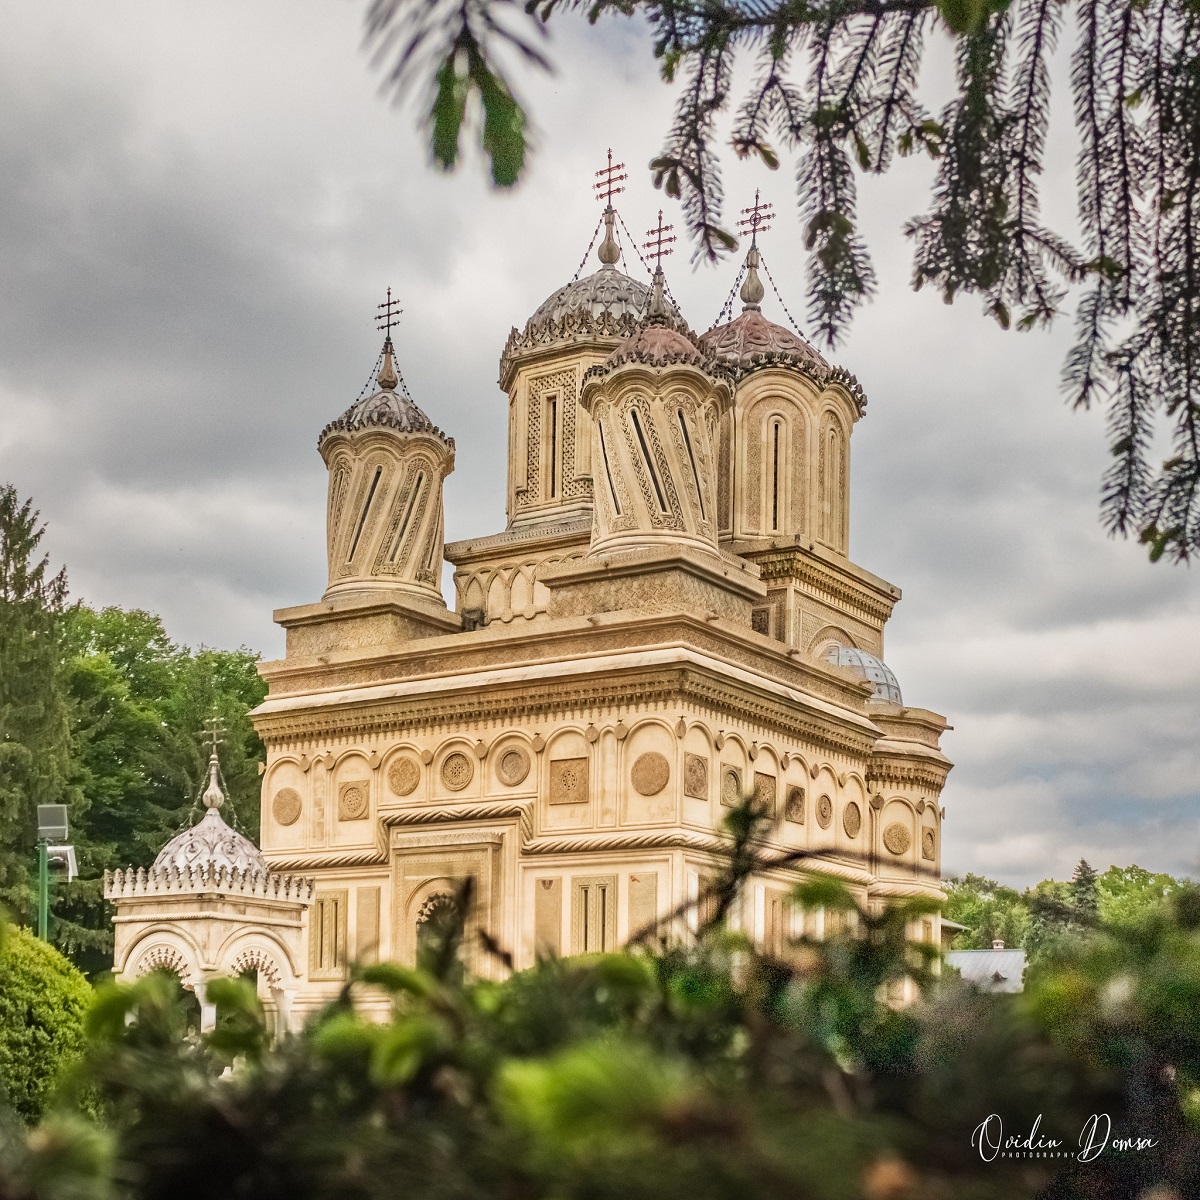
43,1001
697,1070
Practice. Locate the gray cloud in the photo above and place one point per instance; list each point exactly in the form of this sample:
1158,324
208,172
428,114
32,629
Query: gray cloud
200,209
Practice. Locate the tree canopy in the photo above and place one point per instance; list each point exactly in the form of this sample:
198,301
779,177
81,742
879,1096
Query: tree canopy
837,85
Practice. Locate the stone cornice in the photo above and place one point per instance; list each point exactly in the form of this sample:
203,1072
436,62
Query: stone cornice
854,592
548,640
521,810
520,541
522,697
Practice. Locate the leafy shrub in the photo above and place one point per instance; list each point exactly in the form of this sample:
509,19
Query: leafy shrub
43,1003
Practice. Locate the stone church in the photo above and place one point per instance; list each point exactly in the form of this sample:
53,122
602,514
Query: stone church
667,622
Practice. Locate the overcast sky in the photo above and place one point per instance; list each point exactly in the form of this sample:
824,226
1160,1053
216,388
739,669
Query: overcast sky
200,206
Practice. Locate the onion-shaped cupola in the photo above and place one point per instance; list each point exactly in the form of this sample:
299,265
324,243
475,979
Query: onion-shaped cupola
551,476
784,454
210,844
655,403
387,462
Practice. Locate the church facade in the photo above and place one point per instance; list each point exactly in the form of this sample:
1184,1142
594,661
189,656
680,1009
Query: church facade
669,621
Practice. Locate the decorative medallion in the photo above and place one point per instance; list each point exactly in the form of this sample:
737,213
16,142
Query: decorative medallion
824,812
731,787
404,775
568,780
353,801
457,771
928,844
513,766
852,819
765,792
793,805
650,774
286,806
897,838
695,776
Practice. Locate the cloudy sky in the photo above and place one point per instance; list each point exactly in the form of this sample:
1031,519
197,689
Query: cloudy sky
200,206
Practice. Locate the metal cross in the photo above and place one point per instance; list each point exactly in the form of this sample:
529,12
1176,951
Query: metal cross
608,179
759,218
389,314
659,245
214,727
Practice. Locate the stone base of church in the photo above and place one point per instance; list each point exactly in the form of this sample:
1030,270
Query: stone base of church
363,620
654,579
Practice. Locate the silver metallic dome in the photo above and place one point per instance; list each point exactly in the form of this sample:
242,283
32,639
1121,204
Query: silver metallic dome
210,843
866,666
606,291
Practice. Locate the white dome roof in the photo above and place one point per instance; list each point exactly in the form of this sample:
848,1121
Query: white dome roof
210,843
866,666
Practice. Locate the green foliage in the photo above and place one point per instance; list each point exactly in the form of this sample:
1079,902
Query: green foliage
698,1069
35,741
140,703
839,85
43,1000
988,909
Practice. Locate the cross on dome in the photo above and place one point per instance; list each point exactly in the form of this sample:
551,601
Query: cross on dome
387,315
659,245
757,218
607,180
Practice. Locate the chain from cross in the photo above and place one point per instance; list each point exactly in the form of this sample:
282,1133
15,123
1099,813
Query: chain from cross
608,179
756,219
659,245
389,315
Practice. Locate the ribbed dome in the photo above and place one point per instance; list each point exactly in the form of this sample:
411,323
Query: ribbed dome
211,843
607,291
866,666
387,409
752,341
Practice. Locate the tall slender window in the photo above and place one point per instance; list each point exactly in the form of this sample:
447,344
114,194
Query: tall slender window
551,446
774,475
362,520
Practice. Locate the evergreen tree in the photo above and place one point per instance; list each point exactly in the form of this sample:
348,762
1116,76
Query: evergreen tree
839,86
1085,894
141,703
35,725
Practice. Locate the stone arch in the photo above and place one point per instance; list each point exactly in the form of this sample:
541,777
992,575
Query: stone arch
828,635
162,954
833,444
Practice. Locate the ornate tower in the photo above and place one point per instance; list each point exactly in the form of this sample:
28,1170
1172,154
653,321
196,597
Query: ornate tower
387,462
655,404
384,522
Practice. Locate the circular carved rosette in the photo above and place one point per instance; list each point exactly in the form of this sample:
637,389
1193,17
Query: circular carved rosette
852,819
353,801
928,844
404,775
897,838
513,766
731,787
824,812
285,807
650,774
457,771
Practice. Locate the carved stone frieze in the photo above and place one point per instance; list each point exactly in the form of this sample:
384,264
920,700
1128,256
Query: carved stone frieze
650,774
793,807
568,781
354,800
457,771
695,776
403,775
286,806
824,811
513,766
897,838
852,819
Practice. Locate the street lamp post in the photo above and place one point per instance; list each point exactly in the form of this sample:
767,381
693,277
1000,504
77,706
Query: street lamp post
54,854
